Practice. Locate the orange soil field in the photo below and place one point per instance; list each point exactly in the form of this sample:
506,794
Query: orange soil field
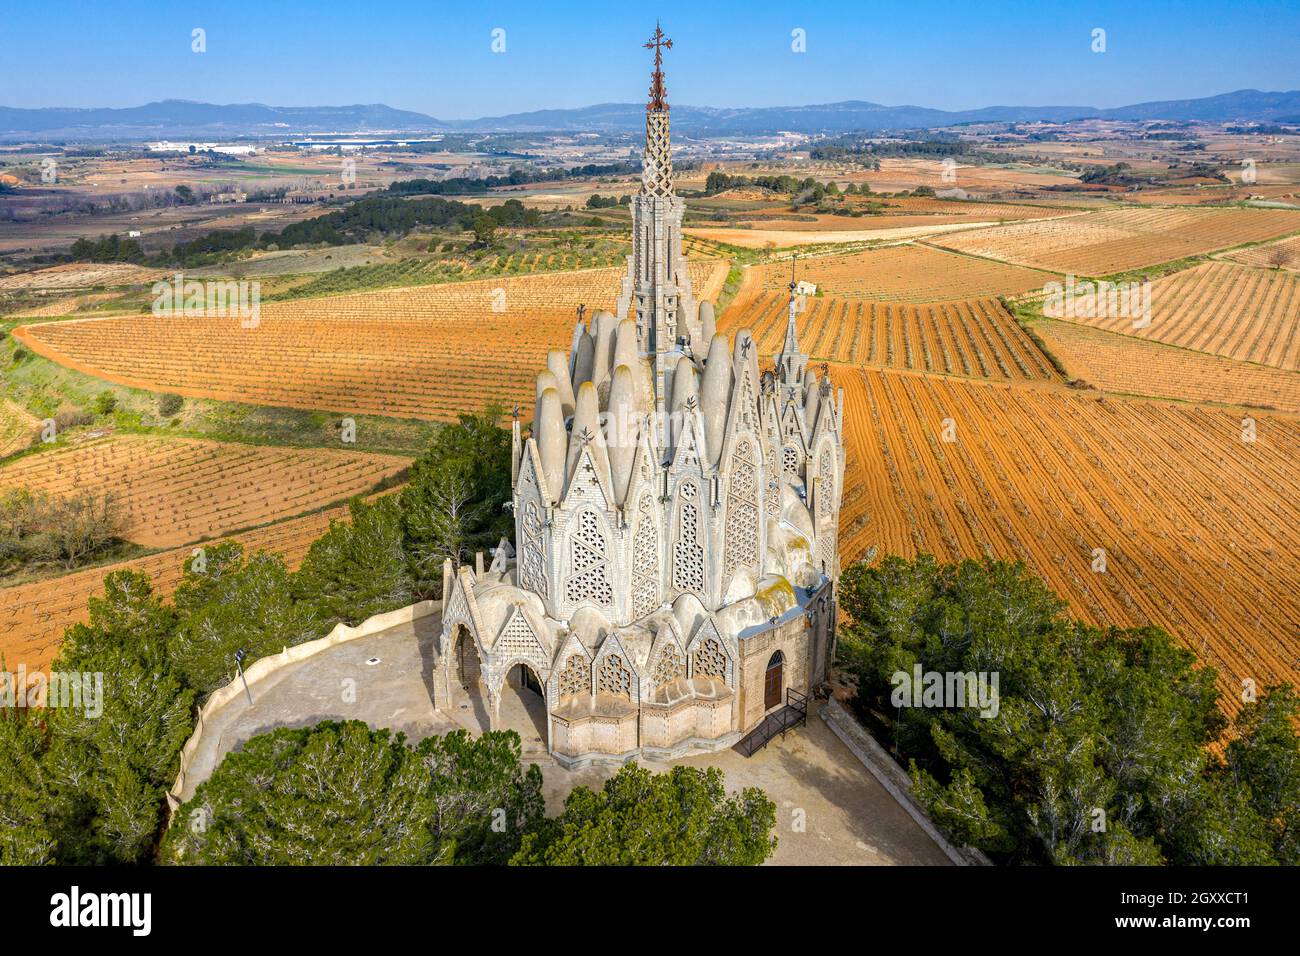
1259,255
1220,307
976,338
33,616
1114,240
1201,530
171,491
966,207
835,230
905,273
427,352
897,211
895,174
1118,363
77,275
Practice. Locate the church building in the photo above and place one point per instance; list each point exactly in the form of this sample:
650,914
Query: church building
672,576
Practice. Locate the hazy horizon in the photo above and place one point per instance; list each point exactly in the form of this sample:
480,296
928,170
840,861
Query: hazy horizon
438,59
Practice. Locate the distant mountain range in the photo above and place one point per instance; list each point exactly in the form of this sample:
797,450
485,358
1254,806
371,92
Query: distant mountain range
170,119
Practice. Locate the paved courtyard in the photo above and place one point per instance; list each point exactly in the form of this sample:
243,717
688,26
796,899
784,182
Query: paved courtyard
830,810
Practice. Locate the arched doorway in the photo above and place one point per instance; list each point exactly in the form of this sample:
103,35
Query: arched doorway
468,703
772,682
522,707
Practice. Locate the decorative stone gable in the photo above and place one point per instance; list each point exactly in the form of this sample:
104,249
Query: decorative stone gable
587,485
517,642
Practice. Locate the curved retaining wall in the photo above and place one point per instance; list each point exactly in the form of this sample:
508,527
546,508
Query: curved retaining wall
263,667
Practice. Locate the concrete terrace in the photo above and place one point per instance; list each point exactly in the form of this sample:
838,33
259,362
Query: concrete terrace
830,810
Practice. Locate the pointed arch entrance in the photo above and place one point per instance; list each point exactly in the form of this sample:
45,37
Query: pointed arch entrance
522,707
773,681
466,687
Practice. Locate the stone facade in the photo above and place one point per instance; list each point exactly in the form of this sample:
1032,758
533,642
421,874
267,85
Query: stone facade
676,513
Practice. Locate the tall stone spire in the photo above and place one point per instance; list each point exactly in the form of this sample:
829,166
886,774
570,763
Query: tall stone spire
792,363
656,291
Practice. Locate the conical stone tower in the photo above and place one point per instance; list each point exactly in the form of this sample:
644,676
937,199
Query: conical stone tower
656,291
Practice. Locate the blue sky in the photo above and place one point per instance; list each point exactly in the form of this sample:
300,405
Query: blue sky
436,57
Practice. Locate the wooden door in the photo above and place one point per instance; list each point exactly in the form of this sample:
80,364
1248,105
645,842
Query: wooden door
772,683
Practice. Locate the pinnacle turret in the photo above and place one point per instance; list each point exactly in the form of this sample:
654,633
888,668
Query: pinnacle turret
792,363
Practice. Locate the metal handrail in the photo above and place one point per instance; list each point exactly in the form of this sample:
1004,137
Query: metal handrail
793,714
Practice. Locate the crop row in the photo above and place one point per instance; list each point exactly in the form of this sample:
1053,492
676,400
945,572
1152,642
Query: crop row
1135,512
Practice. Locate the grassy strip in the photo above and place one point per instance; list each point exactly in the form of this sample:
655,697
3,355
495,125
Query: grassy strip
1026,315
729,289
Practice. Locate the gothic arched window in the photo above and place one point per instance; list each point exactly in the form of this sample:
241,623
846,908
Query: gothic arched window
688,552
589,562
645,561
741,529
532,574
826,488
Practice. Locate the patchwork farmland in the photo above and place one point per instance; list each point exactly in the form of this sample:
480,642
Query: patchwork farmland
1118,363
172,491
33,616
973,339
1185,513
426,352
1237,311
904,273
1115,240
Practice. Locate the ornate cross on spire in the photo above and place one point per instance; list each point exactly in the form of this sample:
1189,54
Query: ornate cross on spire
658,42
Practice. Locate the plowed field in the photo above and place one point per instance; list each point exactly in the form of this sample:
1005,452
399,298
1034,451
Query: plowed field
33,616
171,491
1237,311
1115,240
905,273
1118,363
975,339
1200,530
426,352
